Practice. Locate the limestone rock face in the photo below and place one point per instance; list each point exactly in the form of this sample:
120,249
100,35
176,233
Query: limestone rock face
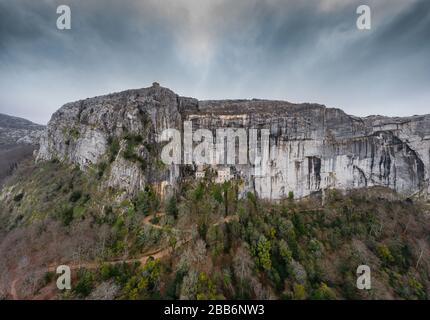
312,147
125,175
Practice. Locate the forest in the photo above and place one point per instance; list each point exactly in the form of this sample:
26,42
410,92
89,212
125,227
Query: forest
206,241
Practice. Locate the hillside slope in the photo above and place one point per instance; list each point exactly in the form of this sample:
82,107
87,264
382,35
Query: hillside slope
205,241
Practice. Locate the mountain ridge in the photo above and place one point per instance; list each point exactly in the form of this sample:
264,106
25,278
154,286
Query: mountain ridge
317,147
18,139
10,121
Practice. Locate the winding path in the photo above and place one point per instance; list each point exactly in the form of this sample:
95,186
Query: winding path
157,254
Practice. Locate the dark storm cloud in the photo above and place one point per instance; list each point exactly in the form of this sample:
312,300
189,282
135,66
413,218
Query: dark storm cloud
18,25
283,49
97,30
284,34
410,30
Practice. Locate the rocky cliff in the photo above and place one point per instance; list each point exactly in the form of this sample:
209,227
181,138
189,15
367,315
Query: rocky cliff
312,147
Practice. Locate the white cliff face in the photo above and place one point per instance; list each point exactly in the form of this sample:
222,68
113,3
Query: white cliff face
82,146
314,148
311,147
89,147
126,176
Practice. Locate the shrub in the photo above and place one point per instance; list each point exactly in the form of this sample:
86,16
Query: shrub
101,169
133,138
78,212
84,284
402,256
48,277
299,224
74,133
252,198
298,292
202,228
199,192
385,254
18,197
206,289
113,148
75,196
417,288
284,251
263,253
172,209
155,220
147,201
323,293
130,153
108,271
217,194
145,285
66,215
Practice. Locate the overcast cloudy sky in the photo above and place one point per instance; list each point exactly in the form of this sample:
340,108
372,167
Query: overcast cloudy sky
300,51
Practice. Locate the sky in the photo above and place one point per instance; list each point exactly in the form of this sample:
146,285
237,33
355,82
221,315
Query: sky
294,50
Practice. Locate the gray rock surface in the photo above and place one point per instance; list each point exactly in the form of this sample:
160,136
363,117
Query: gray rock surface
312,147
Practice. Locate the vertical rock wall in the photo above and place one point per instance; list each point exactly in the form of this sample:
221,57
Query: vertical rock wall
311,147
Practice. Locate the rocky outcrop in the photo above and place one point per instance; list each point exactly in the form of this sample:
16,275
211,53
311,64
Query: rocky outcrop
83,132
312,147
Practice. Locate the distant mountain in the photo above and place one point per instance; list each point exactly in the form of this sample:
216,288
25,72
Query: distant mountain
18,139
7,121
15,130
